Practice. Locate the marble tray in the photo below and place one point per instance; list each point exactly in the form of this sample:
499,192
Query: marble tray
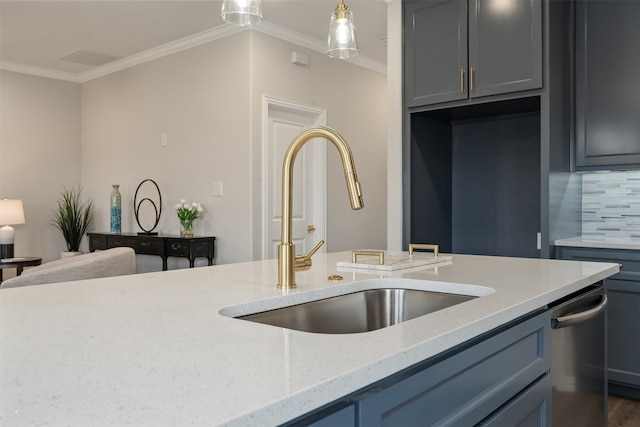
396,261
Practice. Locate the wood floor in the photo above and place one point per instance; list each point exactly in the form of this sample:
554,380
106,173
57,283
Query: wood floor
623,412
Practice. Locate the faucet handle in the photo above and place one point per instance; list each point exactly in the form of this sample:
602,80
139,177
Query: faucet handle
303,262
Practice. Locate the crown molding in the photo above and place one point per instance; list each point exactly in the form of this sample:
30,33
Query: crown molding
38,71
175,46
203,37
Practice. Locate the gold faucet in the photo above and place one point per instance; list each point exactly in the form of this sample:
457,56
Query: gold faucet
288,262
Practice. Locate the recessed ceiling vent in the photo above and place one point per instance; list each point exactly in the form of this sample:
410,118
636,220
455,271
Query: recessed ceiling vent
85,57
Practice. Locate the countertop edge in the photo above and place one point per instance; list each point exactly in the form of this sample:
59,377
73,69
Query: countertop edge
585,242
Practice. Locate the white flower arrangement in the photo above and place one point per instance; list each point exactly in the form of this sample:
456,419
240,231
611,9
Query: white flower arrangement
188,212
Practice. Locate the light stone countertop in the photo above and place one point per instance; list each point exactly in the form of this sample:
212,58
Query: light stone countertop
600,242
153,350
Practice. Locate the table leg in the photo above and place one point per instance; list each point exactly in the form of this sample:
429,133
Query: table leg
20,268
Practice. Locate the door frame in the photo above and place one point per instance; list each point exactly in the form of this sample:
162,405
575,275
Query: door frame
319,116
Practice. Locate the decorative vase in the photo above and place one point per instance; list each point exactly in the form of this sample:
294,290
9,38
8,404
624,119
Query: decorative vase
186,228
116,210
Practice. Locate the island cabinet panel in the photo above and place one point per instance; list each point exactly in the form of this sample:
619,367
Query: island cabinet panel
336,416
607,96
623,323
459,49
529,408
469,386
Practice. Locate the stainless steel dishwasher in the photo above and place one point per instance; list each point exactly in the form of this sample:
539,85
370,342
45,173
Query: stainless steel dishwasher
578,359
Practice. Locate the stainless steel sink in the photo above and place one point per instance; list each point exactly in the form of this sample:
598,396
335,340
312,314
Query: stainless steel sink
360,311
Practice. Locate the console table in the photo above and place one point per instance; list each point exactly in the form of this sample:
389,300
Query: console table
159,245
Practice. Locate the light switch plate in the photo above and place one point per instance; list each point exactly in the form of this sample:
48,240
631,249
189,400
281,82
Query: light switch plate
217,189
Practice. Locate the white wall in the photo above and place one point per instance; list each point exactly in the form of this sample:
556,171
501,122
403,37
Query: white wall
356,104
207,101
200,99
394,129
39,153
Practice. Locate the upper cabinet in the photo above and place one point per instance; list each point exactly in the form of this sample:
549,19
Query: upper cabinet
459,49
607,90
486,146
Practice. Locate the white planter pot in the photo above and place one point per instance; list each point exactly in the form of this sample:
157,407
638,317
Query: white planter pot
69,254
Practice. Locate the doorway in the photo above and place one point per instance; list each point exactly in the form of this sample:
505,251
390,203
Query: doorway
282,122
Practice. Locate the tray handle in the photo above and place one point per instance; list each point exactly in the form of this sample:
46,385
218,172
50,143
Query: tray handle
366,252
413,246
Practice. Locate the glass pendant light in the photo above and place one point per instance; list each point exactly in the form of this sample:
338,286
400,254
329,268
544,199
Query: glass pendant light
342,33
241,12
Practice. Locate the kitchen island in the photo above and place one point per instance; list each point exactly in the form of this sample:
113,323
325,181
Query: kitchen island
154,349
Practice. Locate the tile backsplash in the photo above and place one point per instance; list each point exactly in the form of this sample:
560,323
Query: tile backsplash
611,204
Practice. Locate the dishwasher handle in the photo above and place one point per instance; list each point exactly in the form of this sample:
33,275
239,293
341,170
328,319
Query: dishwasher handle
582,316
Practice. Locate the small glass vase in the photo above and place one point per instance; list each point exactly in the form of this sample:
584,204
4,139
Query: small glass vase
116,210
186,228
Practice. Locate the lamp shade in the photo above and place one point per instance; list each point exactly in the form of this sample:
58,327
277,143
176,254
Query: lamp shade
11,212
342,41
242,12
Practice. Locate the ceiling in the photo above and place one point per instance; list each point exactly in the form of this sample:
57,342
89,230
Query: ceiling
37,34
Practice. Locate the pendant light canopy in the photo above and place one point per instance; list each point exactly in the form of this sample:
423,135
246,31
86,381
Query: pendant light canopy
241,12
342,33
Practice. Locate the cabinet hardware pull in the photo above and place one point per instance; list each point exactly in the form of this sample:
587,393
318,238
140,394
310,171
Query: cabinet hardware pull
144,243
462,80
413,246
364,252
471,79
310,228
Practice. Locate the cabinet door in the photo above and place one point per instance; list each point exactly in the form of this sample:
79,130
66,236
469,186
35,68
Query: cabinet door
435,51
624,331
467,387
338,415
505,46
532,407
607,90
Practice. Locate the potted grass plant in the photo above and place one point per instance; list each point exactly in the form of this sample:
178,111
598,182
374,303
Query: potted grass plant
72,217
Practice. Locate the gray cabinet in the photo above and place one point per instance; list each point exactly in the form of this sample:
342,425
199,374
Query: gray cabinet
529,408
623,328
459,49
337,416
501,376
488,175
607,91
467,387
